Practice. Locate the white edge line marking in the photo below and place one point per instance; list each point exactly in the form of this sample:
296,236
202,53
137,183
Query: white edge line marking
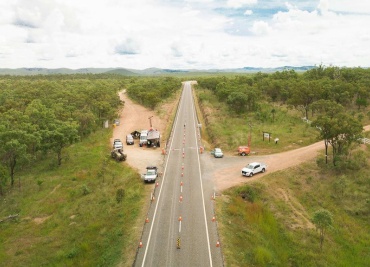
160,190
201,185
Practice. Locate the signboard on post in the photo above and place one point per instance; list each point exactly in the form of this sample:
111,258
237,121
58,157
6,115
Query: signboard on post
266,135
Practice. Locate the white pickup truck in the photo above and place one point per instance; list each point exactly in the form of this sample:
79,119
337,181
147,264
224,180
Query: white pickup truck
151,174
253,168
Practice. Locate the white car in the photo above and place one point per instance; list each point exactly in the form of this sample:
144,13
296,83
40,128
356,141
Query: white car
117,144
253,168
217,153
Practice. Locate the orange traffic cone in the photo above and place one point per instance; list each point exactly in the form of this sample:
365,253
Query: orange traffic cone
213,219
180,218
147,220
140,244
217,244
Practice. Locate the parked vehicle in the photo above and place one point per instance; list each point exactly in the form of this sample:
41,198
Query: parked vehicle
217,153
253,168
118,154
153,138
143,138
243,150
117,144
135,134
129,139
151,174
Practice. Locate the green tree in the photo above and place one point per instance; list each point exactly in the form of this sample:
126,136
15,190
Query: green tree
336,127
61,135
237,101
18,137
3,179
273,111
14,150
323,220
304,93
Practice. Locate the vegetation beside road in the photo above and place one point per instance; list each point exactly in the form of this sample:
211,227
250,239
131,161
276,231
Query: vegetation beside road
80,214
270,222
74,206
150,92
284,105
83,212
267,222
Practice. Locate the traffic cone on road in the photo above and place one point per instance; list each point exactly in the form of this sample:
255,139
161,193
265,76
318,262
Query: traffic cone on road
140,244
217,244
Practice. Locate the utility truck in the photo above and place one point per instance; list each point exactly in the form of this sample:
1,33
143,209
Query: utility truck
253,168
143,138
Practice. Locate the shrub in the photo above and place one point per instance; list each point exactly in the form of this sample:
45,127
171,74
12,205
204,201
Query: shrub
120,194
85,190
262,256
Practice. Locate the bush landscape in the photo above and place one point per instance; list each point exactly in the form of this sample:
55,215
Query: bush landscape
78,208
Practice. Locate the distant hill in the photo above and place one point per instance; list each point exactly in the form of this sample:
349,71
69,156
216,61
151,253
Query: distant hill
145,72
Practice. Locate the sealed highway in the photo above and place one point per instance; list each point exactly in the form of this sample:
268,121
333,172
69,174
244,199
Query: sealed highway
181,229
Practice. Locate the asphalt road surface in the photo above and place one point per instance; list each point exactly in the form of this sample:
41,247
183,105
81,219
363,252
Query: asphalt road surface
181,229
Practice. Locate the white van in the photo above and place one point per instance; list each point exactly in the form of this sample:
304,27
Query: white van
143,137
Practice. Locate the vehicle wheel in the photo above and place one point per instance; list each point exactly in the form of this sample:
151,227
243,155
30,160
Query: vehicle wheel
243,154
263,170
140,145
250,175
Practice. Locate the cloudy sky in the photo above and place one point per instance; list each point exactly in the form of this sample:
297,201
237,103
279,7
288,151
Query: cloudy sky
184,34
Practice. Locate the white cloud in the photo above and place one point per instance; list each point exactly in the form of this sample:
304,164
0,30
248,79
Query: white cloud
180,34
127,47
248,12
240,3
261,28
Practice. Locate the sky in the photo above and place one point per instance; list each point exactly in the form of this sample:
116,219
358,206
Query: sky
184,34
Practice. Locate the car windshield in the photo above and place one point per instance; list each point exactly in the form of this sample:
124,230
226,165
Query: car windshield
251,167
151,172
217,150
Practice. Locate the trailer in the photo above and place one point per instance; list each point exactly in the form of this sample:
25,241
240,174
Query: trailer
153,138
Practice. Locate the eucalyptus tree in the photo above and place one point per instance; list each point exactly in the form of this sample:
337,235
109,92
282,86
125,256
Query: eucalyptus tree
60,135
18,137
303,94
336,127
323,220
237,101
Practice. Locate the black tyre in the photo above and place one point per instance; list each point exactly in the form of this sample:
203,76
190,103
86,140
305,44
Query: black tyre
243,154
251,174
263,170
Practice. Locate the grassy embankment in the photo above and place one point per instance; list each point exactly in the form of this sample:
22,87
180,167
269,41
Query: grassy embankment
268,222
228,131
72,215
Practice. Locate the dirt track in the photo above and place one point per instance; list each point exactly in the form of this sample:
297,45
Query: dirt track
225,171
